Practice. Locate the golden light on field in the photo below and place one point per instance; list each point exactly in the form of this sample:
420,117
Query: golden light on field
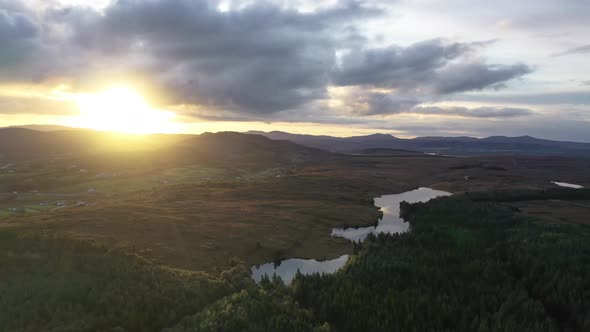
121,109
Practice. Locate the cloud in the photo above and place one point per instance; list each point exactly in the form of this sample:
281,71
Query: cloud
259,59
551,15
16,26
395,66
388,104
548,98
476,76
365,102
17,37
37,106
429,66
576,50
478,112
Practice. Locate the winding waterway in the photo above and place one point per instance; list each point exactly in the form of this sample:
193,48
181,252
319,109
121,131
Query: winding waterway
390,223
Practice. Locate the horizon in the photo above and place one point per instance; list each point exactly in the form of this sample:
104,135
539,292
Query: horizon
337,68
62,127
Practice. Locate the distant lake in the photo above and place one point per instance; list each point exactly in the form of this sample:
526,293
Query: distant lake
567,185
389,223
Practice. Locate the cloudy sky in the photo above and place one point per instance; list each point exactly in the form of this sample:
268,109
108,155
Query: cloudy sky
405,67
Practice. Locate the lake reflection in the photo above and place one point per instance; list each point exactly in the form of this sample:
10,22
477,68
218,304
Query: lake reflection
391,221
567,185
288,268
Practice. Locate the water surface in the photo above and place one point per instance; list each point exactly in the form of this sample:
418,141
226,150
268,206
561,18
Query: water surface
288,268
391,221
567,185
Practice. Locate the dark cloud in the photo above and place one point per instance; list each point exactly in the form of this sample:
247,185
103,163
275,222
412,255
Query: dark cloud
478,112
367,103
576,50
388,104
476,76
17,35
361,102
260,59
395,66
16,26
424,66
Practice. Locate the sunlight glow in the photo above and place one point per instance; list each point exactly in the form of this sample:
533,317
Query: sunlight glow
122,109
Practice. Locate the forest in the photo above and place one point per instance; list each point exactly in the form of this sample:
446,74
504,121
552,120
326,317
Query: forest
470,263
466,266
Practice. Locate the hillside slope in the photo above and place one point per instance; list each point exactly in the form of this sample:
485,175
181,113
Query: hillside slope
522,145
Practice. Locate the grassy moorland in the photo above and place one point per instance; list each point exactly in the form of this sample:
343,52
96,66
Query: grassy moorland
202,227
195,214
166,238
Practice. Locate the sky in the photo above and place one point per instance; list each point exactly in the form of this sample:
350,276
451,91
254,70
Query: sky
404,67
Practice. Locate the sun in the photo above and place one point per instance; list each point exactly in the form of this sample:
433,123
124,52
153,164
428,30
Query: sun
121,109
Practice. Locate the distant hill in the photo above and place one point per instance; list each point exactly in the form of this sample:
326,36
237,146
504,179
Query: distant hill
231,146
105,147
41,127
390,152
498,145
23,143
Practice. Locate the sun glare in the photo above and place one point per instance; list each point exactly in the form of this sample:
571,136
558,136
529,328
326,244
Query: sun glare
122,109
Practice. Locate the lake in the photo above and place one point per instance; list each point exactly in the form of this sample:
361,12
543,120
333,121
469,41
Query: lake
389,223
567,185
288,268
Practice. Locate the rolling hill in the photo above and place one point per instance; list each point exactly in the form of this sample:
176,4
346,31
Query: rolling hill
497,145
20,144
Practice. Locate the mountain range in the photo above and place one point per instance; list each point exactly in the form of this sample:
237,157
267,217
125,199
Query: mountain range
21,144
463,145
24,143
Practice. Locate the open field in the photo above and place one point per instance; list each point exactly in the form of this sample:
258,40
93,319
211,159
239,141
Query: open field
198,216
201,227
